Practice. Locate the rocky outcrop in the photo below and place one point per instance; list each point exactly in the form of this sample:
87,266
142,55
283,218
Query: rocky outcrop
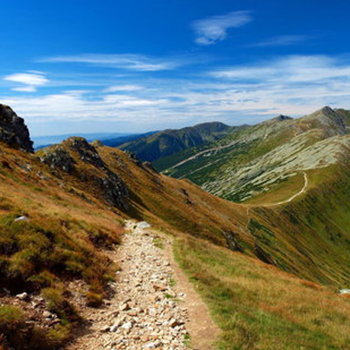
282,117
87,152
70,153
13,130
58,158
114,190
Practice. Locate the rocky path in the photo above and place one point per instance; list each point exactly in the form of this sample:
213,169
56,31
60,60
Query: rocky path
147,311
306,184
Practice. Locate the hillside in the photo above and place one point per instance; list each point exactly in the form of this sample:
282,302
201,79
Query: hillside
263,158
269,273
168,142
118,141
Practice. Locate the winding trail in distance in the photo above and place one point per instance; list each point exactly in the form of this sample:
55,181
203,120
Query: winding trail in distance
303,190
306,184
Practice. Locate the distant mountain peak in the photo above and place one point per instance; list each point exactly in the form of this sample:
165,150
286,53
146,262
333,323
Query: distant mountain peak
327,110
282,117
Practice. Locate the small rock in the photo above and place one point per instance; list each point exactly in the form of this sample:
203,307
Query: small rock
105,329
159,287
173,323
21,218
150,346
127,325
124,307
22,296
47,314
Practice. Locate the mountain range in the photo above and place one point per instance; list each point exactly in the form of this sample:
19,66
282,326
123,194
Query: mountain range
258,216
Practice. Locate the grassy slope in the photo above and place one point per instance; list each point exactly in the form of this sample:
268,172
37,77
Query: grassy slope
178,205
60,241
259,307
307,237
312,231
310,243
256,305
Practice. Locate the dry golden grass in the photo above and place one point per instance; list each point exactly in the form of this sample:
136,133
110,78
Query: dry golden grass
260,307
62,239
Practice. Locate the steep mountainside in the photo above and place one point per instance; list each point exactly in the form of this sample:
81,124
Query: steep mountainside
256,160
168,142
118,141
62,211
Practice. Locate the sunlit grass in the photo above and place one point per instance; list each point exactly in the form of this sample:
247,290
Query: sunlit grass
259,307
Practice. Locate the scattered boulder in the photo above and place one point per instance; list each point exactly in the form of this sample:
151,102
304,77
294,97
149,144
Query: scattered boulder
13,130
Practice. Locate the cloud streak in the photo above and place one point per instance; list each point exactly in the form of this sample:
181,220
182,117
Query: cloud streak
283,40
30,81
131,62
290,69
211,30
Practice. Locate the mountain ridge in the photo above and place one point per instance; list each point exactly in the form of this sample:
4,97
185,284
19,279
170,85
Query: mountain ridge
170,141
63,210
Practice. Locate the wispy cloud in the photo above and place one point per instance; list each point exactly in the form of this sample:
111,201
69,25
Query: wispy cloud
290,69
283,40
30,81
239,94
123,88
124,61
213,29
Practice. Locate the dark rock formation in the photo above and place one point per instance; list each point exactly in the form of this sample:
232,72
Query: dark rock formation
114,190
58,158
282,117
13,131
87,152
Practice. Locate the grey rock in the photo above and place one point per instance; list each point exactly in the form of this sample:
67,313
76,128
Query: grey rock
22,296
21,218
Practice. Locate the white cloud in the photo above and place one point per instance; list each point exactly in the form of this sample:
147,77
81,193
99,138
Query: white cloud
283,40
292,85
30,81
123,61
24,89
118,88
292,69
213,29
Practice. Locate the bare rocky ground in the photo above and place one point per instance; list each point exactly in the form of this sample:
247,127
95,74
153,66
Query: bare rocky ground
147,310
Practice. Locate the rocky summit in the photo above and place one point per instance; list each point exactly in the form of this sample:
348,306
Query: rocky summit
13,130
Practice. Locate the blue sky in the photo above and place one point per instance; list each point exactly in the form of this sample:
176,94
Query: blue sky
82,66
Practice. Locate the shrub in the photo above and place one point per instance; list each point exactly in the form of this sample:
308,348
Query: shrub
94,299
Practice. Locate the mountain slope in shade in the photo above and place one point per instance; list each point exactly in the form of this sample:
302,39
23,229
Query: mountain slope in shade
168,142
